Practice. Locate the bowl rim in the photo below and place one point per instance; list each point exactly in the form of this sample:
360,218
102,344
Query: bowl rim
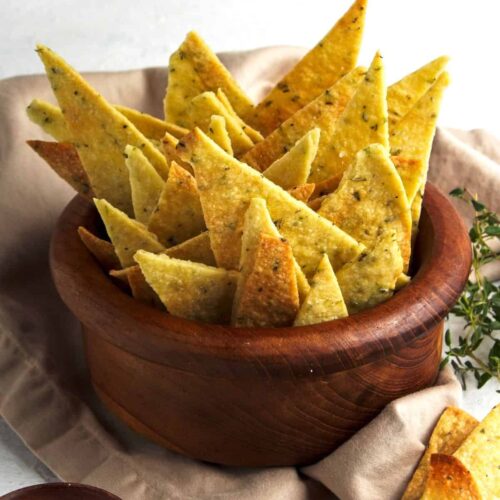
56,486
332,346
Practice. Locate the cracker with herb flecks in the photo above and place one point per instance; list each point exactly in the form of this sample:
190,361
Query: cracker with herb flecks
324,302
196,249
194,69
188,289
226,187
126,234
413,135
168,144
333,57
323,113
99,132
480,454
145,183
371,278
254,134
411,138
371,201
453,426
64,160
101,249
50,119
363,122
138,285
294,167
217,131
303,192
150,126
178,215
416,210
266,293
449,479
258,221
204,106
404,94
410,170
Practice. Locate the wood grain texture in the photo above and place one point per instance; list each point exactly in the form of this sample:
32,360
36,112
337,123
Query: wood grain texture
258,397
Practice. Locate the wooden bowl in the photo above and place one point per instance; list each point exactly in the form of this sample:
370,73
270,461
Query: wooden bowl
260,397
59,491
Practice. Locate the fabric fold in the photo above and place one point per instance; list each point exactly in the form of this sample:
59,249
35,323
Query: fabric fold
45,394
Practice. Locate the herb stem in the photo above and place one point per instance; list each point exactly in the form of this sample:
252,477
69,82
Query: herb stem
479,304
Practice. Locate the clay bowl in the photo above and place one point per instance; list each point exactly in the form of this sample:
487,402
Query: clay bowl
60,491
260,397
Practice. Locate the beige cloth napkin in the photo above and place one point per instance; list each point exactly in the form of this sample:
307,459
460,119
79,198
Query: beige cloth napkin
44,390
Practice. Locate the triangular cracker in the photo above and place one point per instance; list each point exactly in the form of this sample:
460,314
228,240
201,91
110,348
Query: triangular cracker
120,278
371,200
453,426
327,186
402,281
480,454
190,290
138,285
411,138
410,170
371,278
64,160
178,215
303,193
315,203
449,479
226,187
50,119
294,167
258,221
127,235
169,143
416,210
217,131
266,294
324,302
363,122
323,113
145,183
149,125
204,106
194,69
403,95
196,249
101,249
254,134
99,132
333,57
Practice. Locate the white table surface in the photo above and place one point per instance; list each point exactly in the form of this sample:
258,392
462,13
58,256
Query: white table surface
124,34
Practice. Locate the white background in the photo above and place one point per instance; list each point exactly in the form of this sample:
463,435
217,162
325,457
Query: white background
124,34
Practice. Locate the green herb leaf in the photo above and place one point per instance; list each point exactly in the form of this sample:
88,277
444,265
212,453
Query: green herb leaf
492,231
457,192
479,207
479,304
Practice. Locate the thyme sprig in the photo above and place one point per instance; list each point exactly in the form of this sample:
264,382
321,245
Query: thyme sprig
479,304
